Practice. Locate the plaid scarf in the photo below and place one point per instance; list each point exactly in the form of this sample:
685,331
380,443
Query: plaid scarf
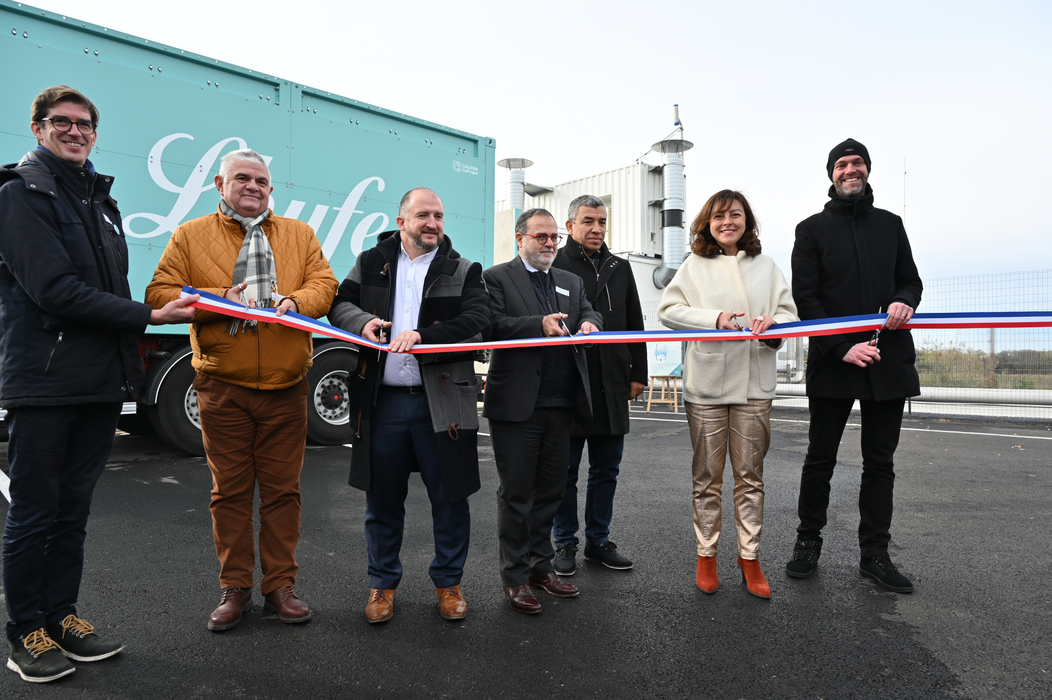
255,265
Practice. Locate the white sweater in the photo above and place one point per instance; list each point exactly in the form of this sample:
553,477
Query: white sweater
727,371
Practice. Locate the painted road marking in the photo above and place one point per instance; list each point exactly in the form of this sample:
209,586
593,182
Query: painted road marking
5,482
859,425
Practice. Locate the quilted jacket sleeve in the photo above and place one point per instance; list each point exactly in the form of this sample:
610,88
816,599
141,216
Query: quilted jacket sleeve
315,295
173,272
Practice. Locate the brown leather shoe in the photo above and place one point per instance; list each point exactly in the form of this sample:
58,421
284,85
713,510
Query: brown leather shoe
553,585
235,602
451,603
381,605
287,605
522,599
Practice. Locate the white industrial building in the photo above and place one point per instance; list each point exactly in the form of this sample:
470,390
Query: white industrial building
647,224
634,198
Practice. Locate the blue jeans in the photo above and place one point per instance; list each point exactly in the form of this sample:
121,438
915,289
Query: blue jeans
56,454
403,438
604,464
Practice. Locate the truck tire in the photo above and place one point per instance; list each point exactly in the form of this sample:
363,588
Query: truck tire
175,414
328,413
137,423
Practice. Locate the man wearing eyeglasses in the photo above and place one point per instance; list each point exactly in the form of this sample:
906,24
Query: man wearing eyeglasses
532,393
69,358
852,259
617,373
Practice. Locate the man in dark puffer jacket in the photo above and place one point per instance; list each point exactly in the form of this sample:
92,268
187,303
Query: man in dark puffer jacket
69,357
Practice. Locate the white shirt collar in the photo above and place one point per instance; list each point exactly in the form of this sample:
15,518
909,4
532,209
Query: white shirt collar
425,258
531,268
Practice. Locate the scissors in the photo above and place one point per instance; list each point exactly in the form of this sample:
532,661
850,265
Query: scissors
876,333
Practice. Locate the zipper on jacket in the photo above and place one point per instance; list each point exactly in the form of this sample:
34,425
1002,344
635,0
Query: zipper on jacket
53,349
117,244
598,271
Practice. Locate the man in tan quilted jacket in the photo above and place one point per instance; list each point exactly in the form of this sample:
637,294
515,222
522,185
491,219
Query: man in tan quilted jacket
251,378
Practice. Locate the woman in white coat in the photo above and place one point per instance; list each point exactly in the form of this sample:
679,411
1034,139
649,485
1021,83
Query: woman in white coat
728,384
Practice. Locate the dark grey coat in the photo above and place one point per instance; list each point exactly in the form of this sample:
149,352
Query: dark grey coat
454,309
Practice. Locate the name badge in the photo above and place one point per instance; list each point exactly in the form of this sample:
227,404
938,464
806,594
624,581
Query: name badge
564,292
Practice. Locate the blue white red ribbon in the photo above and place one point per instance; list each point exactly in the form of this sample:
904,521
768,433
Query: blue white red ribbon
796,329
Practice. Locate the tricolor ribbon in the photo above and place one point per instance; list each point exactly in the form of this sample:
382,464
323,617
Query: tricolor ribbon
796,329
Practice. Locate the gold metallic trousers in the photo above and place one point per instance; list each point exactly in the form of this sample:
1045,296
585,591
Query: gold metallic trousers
746,430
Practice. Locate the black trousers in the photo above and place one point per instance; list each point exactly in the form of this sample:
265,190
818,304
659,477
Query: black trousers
881,423
532,458
56,455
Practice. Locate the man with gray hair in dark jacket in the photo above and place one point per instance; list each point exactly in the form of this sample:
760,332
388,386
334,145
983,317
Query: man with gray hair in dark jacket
617,373
69,359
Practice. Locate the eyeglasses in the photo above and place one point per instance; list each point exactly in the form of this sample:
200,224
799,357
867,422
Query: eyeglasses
555,238
65,124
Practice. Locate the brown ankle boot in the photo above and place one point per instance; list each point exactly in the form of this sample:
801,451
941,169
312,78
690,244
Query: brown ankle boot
706,575
754,579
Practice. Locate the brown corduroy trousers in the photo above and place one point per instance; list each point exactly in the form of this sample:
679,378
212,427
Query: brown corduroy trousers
254,436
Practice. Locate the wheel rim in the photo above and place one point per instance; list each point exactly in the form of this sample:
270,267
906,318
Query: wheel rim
190,407
330,398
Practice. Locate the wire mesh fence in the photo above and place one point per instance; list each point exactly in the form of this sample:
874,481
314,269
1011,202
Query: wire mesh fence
1010,359
1002,373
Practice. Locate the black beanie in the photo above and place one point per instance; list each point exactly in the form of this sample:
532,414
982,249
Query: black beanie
851,147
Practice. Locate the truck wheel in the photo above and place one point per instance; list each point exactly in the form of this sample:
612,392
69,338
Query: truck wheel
327,409
175,415
137,423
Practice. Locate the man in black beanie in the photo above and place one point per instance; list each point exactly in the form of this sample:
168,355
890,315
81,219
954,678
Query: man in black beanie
851,259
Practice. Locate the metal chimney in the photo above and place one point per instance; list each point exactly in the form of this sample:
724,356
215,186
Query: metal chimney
672,207
516,180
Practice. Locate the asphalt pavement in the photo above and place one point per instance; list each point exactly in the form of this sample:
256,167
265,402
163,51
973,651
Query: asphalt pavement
971,529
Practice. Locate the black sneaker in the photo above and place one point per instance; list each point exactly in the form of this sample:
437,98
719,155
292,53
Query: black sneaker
76,639
805,558
881,570
38,659
565,561
606,553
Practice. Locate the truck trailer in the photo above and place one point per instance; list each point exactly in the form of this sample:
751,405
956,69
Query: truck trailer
166,118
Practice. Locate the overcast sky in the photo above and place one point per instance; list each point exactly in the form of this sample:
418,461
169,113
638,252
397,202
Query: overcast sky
961,93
